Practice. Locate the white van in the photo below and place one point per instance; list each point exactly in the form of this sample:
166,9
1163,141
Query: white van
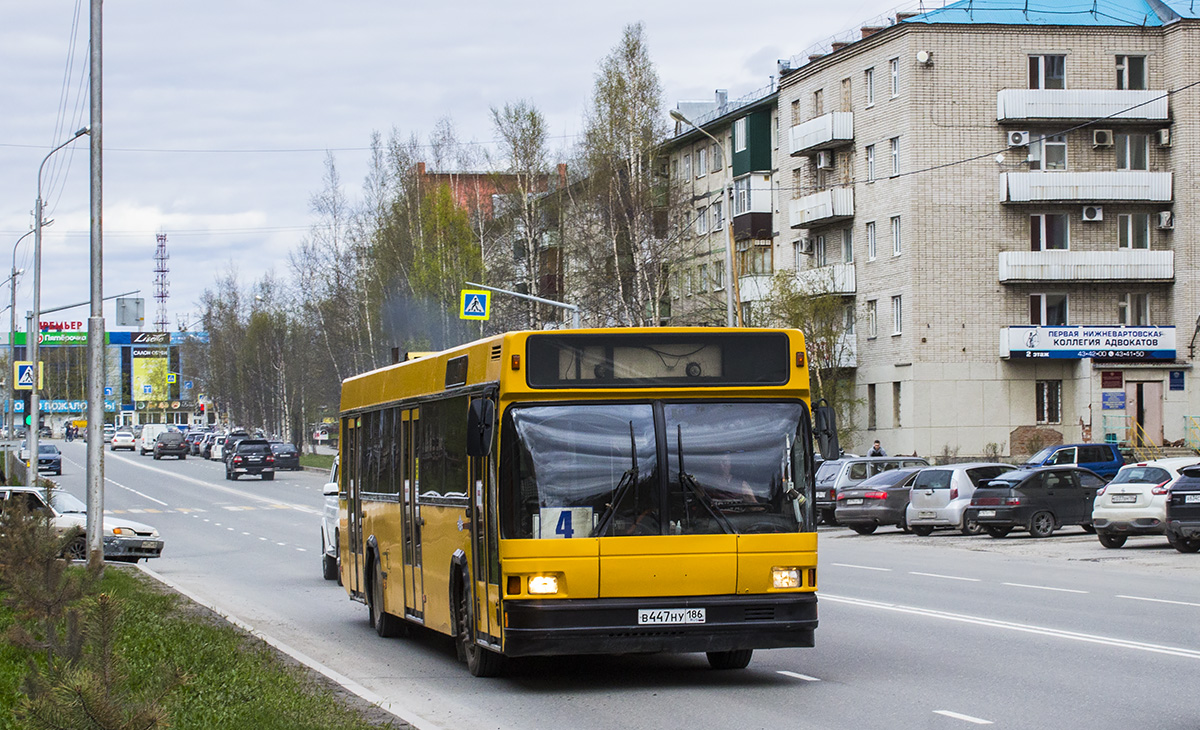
150,432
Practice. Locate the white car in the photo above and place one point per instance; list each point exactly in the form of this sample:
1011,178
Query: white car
124,540
941,494
329,527
1135,501
122,440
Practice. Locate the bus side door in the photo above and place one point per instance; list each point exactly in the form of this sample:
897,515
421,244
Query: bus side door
414,578
351,472
485,559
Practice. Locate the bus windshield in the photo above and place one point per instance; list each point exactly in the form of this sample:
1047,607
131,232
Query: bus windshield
580,470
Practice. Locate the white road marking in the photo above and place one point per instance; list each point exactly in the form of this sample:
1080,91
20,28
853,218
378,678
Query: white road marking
1161,600
947,577
960,716
302,550
1024,628
140,494
862,567
794,675
230,490
1043,588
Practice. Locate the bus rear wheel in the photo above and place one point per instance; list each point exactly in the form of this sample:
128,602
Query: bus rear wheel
481,662
736,659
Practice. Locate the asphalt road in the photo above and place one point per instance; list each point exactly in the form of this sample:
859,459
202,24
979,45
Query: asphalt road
938,632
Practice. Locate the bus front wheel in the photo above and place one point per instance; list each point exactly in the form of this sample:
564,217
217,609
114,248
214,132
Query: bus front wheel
482,662
736,659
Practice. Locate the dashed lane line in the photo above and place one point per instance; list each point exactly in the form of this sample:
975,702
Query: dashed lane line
965,718
862,567
945,577
229,490
1160,600
1044,588
795,675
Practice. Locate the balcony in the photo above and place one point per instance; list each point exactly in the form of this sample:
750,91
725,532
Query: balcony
825,132
1111,105
823,207
842,351
1018,267
1085,187
831,279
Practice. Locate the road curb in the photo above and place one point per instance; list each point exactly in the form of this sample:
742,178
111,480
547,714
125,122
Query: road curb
349,684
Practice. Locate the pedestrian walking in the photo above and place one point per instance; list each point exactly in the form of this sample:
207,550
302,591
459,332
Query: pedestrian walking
876,450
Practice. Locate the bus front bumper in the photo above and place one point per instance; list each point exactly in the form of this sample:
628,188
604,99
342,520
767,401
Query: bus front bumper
610,625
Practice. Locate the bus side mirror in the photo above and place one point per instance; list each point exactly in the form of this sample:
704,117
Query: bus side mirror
481,426
825,430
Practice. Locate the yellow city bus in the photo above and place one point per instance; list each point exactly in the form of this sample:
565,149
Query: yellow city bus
587,491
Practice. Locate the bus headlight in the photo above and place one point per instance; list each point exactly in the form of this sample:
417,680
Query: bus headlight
785,577
543,585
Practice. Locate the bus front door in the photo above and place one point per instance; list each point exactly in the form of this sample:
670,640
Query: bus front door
351,472
414,579
484,567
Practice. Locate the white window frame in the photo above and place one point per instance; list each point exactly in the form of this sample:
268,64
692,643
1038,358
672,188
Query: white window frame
1125,76
1042,299
897,248
703,278
1128,226
848,245
869,85
1133,309
1037,70
715,161
718,275
897,315
718,221
741,195
871,242
894,69
895,144
820,254
848,318
687,167
1048,401
1039,229
870,163
1126,144
702,221
1039,152
739,135
872,319
701,162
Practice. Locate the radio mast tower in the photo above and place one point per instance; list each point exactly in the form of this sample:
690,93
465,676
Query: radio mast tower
162,288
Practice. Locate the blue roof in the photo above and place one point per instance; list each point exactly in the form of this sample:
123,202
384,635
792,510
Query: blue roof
1097,13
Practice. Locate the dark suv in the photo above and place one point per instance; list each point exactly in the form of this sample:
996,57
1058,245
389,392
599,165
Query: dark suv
170,443
251,456
1183,511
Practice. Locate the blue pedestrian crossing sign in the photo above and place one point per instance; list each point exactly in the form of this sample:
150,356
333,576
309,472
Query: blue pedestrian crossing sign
23,375
171,378
475,304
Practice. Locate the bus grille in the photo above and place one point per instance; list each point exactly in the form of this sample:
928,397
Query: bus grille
496,351
763,613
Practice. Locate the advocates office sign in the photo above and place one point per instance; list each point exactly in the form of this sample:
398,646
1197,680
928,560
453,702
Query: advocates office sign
1077,343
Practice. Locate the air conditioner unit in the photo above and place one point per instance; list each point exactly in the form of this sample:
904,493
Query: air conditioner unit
806,246
1102,138
825,160
1092,213
1018,139
1163,137
1166,220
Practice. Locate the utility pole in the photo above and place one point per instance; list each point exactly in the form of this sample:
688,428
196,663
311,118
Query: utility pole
95,399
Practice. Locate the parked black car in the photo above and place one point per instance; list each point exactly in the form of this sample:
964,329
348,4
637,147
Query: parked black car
250,456
879,500
230,445
287,456
170,443
1183,511
1040,500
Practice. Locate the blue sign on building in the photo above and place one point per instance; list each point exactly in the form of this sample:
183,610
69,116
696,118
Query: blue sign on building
1176,379
1112,400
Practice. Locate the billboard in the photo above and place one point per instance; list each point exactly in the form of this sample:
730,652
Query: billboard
1078,342
150,369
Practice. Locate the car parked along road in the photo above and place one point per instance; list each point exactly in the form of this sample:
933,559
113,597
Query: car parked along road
1135,501
940,495
1040,500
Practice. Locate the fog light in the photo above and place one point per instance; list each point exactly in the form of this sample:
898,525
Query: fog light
542,585
785,577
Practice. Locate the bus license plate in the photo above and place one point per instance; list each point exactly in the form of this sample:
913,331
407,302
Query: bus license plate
853,501
1191,498
670,616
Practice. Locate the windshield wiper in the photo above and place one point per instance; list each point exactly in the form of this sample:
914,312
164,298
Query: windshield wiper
690,481
628,479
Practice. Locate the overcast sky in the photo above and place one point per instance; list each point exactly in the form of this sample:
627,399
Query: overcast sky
217,115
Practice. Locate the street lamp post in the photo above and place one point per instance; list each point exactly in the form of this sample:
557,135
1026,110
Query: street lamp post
12,335
32,346
732,311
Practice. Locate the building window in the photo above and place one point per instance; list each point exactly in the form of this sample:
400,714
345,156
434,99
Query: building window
739,135
718,275
896,235
1133,151
1131,72
689,281
675,168
1048,232
702,221
871,407
741,196
1133,230
872,319
1048,310
678,284
687,167
1048,72
869,85
818,102
895,142
848,245
715,156
701,161
1049,401
894,67
895,405
897,316
755,258
703,287
1134,310
718,220
848,318
1048,153
870,163
871,241
819,250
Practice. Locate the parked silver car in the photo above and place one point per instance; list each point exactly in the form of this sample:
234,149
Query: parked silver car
940,495
125,540
1135,501
849,471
